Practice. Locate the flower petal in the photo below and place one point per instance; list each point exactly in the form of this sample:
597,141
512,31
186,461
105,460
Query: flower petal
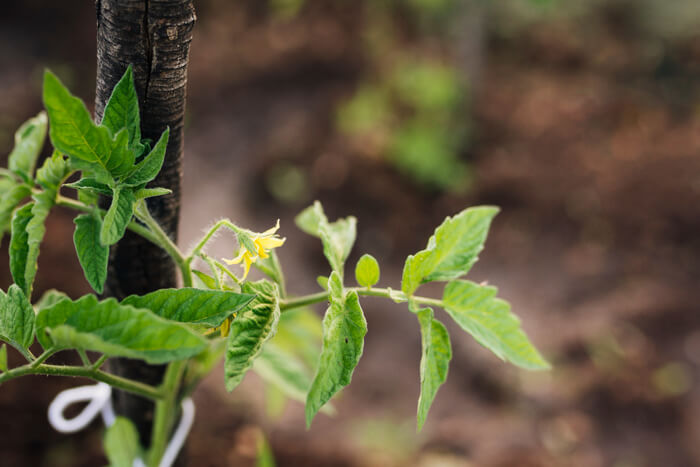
269,243
272,230
237,259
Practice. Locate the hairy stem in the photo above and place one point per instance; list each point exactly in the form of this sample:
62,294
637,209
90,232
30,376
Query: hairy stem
305,300
166,411
134,387
205,239
165,242
133,226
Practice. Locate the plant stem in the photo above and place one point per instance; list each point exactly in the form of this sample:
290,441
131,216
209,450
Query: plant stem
222,223
297,302
99,362
84,358
124,384
42,358
166,411
164,241
305,300
133,226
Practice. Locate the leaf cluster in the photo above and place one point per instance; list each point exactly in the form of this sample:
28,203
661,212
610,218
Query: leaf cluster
251,325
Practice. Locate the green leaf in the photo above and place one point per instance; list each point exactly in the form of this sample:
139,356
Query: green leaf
284,370
53,172
344,329
397,296
337,237
151,192
93,256
49,299
3,358
490,321
25,253
121,443
16,319
309,220
73,132
435,359
250,330
367,271
36,228
451,251
9,201
118,216
335,287
189,305
148,168
208,281
29,140
116,330
92,185
19,246
122,111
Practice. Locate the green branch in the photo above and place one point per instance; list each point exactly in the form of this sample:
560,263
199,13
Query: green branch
118,382
166,411
205,239
164,242
305,300
133,226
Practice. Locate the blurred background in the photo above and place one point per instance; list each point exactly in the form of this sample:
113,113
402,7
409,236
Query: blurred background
581,120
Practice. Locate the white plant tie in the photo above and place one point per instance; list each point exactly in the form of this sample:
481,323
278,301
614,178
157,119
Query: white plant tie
99,399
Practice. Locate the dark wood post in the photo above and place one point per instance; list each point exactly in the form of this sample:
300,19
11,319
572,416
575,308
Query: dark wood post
154,36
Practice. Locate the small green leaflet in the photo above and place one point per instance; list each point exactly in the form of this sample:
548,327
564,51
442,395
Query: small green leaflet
451,251
344,329
435,359
53,172
91,184
337,237
116,330
335,287
144,193
489,320
122,443
118,216
93,256
19,247
43,202
250,330
16,319
9,201
208,281
367,271
73,132
3,358
25,254
122,111
189,305
148,168
29,140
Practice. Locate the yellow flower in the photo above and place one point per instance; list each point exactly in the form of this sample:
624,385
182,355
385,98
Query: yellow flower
261,244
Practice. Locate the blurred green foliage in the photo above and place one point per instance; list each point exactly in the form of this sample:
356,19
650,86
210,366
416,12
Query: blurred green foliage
412,107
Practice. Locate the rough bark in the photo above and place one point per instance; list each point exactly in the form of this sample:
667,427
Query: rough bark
154,36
